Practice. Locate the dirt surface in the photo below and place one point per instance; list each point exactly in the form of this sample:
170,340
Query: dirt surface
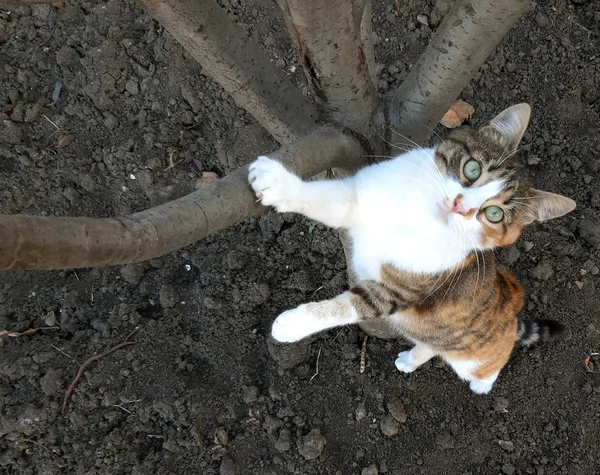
134,125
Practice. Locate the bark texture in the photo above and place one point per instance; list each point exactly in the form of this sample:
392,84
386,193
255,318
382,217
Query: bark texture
334,41
460,46
35,242
244,71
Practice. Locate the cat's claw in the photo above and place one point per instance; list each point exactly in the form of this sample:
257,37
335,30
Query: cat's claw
404,362
294,325
273,185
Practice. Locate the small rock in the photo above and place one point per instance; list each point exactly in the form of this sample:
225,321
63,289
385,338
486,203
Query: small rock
227,467
269,41
132,273
389,426
527,246
501,404
50,319
300,280
509,255
212,303
168,296
288,355
590,232
554,150
442,7
52,382
508,469
397,409
361,412
542,20
370,470
250,394
272,424
221,436
284,441
311,445
12,133
533,160
543,271
66,56
445,441
506,445
423,19
132,87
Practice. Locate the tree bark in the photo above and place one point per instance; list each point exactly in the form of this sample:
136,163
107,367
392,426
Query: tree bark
244,71
336,49
34,242
460,46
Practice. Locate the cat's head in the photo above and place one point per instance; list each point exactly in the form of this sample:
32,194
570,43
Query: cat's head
484,194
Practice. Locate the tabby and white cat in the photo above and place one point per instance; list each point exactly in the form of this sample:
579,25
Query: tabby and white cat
423,227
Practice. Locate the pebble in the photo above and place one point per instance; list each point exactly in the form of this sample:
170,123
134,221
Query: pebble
361,412
52,382
311,445
227,467
590,232
132,273
389,426
445,441
370,470
543,271
168,296
250,394
542,20
508,255
284,441
396,409
508,469
506,445
554,150
423,19
527,246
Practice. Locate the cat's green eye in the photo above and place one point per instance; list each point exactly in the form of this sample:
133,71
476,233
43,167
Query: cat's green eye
472,170
494,214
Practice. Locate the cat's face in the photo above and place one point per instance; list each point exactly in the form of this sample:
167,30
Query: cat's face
483,195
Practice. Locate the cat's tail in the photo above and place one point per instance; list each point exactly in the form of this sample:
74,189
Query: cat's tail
533,331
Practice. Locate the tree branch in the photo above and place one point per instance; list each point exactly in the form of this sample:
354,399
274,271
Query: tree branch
226,54
461,45
34,242
336,48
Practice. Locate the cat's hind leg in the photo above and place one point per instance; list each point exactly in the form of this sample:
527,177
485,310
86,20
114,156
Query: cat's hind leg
332,202
481,377
408,361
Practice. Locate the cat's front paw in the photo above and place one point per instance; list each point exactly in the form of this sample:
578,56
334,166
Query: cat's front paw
274,185
293,325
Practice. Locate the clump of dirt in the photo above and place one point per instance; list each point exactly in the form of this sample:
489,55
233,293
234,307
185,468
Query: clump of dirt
102,113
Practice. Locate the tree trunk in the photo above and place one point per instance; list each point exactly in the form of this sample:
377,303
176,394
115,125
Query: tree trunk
465,39
335,44
237,64
35,242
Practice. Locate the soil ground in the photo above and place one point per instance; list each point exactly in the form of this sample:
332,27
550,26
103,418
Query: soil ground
200,393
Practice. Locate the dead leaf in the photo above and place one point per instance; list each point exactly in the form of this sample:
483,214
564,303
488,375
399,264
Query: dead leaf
458,113
65,141
592,363
206,177
27,332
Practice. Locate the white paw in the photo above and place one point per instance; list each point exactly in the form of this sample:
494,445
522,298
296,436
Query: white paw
295,324
404,362
481,387
274,185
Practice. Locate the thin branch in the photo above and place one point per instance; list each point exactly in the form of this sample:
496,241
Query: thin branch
88,362
36,242
244,71
460,46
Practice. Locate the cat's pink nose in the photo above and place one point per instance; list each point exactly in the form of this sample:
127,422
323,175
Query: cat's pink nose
459,205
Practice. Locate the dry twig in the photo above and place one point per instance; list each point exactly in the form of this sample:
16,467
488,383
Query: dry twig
89,361
363,356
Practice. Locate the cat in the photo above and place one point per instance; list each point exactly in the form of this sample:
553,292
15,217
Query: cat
423,227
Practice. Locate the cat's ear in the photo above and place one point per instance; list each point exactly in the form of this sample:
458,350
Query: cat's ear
542,206
511,124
